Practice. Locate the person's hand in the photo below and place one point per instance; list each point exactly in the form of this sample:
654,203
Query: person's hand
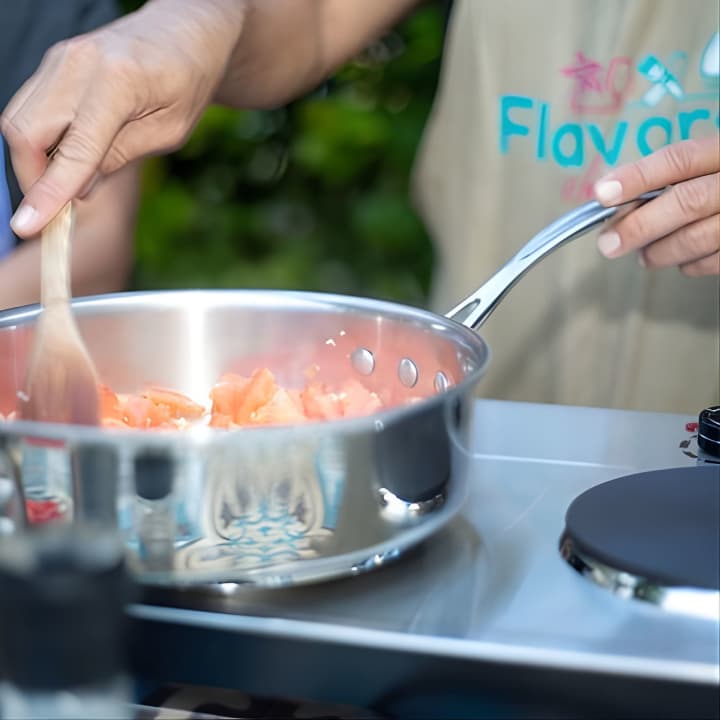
133,88
681,227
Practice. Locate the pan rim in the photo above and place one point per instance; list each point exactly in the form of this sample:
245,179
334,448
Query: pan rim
202,436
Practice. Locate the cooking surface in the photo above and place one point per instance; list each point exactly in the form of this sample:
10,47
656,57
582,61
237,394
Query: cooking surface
493,586
660,525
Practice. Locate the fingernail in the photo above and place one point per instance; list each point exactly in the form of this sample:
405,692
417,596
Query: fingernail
641,259
23,219
608,192
608,243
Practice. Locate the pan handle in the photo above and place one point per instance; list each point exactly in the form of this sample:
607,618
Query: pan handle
476,308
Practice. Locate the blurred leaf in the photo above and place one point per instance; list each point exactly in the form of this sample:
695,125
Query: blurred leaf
387,226
311,196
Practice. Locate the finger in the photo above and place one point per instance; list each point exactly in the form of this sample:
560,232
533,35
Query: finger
35,119
691,242
46,66
709,265
75,161
28,160
29,135
90,186
671,164
682,205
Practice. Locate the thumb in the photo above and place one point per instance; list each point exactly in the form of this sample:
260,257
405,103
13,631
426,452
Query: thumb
74,163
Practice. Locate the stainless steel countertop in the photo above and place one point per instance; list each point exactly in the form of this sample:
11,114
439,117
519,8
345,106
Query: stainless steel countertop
492,587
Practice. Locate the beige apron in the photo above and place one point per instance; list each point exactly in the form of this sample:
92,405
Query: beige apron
537,99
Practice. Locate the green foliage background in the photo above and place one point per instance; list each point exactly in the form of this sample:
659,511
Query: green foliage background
312,196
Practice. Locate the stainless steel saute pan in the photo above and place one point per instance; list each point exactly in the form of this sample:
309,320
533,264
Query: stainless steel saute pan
269,505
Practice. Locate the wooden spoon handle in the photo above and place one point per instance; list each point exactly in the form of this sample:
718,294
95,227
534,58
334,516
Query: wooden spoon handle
55,258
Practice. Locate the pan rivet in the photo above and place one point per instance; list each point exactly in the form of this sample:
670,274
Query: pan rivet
363,361
441,382
408,373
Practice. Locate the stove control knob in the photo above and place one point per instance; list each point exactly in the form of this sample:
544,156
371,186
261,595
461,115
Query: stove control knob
709,435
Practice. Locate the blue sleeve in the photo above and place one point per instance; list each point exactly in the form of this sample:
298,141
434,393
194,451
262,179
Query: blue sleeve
7,240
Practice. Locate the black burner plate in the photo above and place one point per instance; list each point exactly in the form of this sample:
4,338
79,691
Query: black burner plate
663,525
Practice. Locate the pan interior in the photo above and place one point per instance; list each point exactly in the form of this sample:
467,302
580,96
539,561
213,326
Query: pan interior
185,340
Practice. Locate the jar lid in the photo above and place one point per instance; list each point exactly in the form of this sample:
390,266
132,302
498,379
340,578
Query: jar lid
709,431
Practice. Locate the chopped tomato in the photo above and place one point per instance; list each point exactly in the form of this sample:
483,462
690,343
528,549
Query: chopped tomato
295,397
110,407
227,393
253,395
357,400
321,404
281,410
111,422
177,405
237,401
219,420
139,412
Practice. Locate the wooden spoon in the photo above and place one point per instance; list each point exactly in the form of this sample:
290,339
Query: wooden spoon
60,381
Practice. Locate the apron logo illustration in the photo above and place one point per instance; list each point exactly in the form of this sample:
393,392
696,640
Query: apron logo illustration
597,89
639,106
666,78
662,79
710,61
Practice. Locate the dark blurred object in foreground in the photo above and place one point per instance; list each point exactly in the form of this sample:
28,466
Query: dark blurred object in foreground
63,594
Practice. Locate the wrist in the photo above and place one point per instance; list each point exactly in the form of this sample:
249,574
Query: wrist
239,54
208,30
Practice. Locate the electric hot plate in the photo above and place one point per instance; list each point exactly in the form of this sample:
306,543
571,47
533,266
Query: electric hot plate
652,536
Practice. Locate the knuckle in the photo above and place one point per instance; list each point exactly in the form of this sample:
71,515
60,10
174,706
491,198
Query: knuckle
19,131
702,238
51,190
121,66
685,247
55,52
706,266
643,177
678,157
652,256
656,255
79,147
72,55
9,130
79,49
635,228
692,198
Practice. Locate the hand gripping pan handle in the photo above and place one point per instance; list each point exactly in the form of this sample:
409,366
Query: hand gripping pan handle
477,307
